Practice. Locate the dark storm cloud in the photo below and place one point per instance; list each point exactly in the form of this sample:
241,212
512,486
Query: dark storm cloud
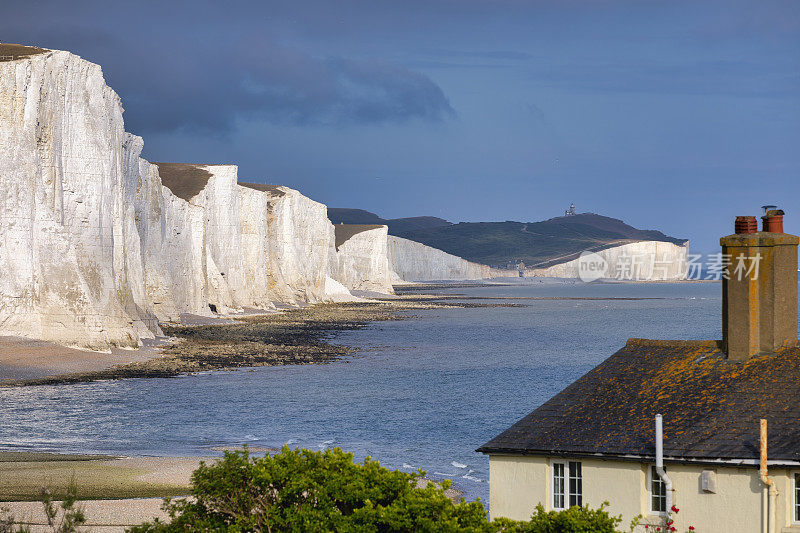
283,85
288,86
172,77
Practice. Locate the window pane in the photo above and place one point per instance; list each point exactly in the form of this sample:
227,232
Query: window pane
797,497
558,485
658,492
575,484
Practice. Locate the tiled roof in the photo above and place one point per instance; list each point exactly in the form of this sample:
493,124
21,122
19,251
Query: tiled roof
711,406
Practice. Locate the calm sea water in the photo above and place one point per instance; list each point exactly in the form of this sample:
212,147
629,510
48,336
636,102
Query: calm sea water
422,393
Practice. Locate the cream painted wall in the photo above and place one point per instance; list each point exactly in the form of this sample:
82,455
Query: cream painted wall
519,483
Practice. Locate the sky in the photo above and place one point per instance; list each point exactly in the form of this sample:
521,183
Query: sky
672,115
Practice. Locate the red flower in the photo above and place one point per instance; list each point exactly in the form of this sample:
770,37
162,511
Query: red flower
672,529
691,528
674,509
670,522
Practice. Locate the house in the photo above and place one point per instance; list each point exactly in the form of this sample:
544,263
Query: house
597,440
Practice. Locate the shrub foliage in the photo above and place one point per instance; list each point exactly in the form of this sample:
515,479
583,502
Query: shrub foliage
304,490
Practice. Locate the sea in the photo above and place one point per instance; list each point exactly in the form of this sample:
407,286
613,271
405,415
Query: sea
420,393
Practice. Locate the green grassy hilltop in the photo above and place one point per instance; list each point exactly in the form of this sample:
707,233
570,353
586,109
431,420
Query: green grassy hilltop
538,244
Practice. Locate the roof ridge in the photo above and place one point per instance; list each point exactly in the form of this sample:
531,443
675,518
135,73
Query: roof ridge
687,343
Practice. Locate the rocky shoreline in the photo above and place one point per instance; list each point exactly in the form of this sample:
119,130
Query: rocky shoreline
299,336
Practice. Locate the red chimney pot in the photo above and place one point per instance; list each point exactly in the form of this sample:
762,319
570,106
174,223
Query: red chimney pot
745,224
772,221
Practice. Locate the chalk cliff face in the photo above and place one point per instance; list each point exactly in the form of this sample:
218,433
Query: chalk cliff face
639,261
253,215
99,245
362,261
69,251
171,239
413,261
225,280
300,239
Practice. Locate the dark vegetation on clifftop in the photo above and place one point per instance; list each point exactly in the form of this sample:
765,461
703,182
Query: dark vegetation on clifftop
344,232
538,244
11,52
397,226
185,180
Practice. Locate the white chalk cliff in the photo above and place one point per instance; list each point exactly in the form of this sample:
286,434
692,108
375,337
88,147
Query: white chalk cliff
171,240
362,262
70,248
413,261
96,250
300,238
638,261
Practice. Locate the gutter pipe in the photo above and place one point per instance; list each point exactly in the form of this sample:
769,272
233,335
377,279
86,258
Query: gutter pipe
660,462
770,493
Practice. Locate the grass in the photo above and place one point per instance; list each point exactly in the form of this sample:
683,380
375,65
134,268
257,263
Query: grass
8,50
538,244
183,179
345,231
22,478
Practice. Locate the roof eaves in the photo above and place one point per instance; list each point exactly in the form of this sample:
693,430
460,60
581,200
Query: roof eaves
639,458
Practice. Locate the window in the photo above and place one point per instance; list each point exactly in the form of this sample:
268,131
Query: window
658,492
558,486
797,497
567,484
575,484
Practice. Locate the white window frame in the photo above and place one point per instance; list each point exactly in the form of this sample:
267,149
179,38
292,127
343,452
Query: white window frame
579,494
564,484
566,493
795,510
651,476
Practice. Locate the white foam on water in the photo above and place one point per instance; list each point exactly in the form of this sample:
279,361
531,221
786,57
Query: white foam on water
458,465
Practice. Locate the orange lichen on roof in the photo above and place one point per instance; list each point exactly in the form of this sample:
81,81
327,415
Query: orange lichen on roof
711,405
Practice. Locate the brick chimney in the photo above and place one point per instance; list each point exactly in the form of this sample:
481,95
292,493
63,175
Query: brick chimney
759,287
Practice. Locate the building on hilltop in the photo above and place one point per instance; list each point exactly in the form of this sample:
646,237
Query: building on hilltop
597,440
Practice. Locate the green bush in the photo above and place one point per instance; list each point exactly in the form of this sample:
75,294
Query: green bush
303,490
573,520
